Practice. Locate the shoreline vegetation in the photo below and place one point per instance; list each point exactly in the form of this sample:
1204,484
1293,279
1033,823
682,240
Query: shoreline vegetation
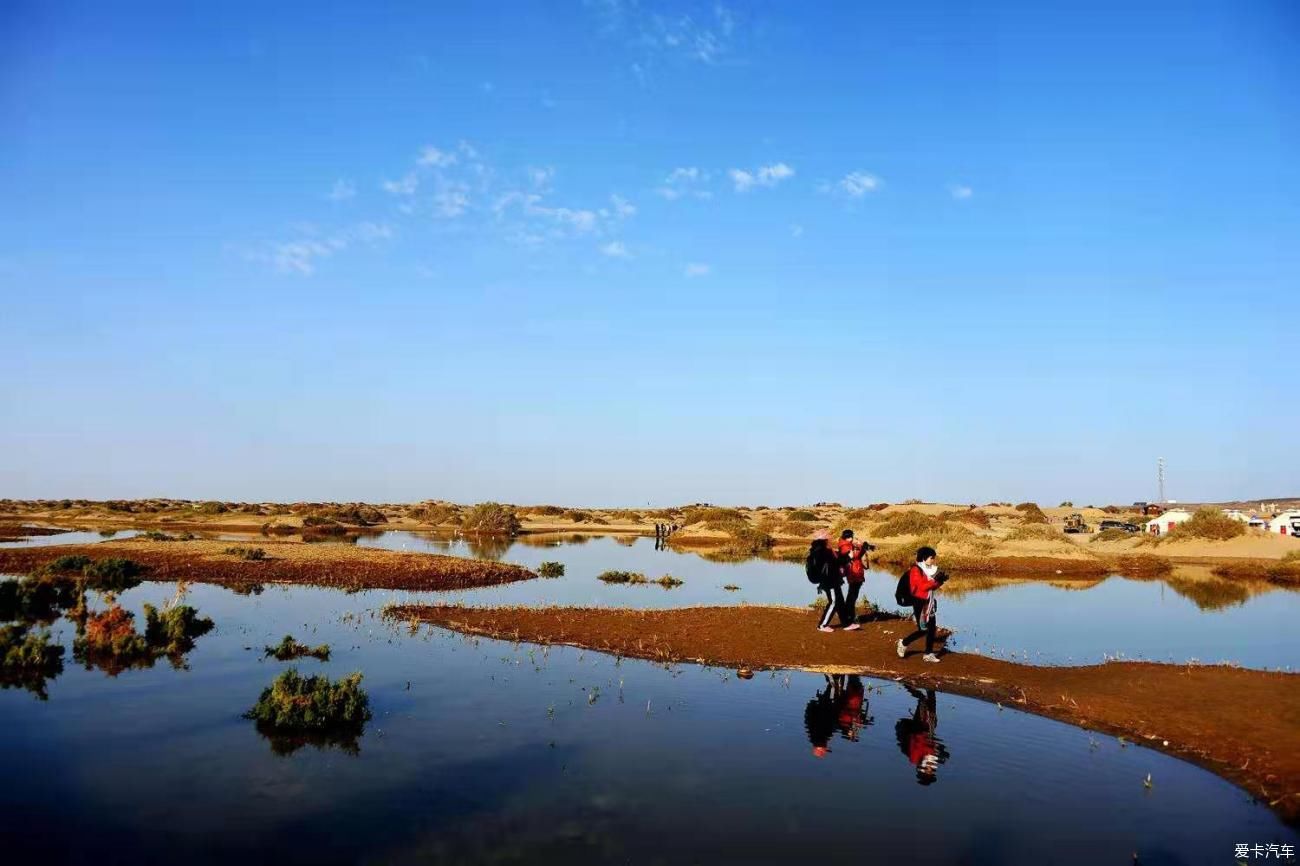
333,565
996,538
1172,708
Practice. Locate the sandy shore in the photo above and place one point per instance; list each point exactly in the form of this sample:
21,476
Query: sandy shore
335,565
1243,725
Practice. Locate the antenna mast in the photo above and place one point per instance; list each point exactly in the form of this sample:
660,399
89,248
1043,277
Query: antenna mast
1160,478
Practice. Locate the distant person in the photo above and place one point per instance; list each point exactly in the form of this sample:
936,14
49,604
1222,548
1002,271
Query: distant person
850,555
819,719
823,569
923,581
917,739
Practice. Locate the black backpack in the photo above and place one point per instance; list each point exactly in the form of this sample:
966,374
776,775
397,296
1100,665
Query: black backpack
811,567
903,592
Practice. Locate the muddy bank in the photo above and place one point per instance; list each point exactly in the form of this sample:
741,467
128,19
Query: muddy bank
1243,725
335,565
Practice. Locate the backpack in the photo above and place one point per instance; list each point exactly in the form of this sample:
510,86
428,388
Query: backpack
903,592
811,567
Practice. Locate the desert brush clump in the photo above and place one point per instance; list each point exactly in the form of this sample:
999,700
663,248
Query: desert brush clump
294,703
1031,513
37,598
111,574
155,535
972,516
28,659
551,569
1037,532
108,638
248,554
800,514
436,514
667,581
491,518
1209,524
356,514
174,629
614,576
289,649
710,514
1111,535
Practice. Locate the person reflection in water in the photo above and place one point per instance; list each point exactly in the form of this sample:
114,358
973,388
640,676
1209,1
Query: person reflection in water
841,706
917,740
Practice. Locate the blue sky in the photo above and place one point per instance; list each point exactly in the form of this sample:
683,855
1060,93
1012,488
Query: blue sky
617,252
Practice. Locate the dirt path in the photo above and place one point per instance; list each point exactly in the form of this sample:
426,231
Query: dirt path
337,565
1243,725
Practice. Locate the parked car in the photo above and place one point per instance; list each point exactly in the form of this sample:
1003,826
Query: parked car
1119,524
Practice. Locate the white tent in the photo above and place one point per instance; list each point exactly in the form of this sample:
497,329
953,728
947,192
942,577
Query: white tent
1167,521
1286,523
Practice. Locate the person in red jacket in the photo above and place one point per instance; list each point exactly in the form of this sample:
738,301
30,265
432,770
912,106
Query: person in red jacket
854,574
924,581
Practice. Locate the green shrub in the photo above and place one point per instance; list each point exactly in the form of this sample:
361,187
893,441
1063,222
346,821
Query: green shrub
289,649
155,535
28,659
576,515
296,703
174,630
709,513
65,564
250,554
113,574
546,510
1209,523
491,518
622,577
1067,504
800,514
551,569
211,508
669,582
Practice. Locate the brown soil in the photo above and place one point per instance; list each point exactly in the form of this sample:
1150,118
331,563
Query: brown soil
1243,725
336,565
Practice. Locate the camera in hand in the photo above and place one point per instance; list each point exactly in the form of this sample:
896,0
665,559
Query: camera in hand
941,578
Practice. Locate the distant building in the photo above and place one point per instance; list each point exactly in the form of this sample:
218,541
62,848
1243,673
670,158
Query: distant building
1251,520
1286,523
1164,523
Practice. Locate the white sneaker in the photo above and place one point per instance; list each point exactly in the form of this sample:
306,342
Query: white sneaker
853,626
826,628
930,657
902,650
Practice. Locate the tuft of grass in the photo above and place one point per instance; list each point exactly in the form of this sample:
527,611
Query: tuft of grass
551,569
1208,523
668,581
289,649
249,554
155,535
801,514
491,518
294,703
576,515
1037,532
972,516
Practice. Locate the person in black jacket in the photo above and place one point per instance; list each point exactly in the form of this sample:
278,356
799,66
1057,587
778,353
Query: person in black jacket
826,564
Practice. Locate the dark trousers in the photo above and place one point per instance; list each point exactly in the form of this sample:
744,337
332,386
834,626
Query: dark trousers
834,605
926,628
851,601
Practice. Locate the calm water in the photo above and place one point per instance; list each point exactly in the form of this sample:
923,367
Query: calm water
1074,622
76,536
484,751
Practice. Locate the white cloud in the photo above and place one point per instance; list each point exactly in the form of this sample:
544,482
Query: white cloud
541,177
961,192
451,200
432,156
697,269
623,209
300,256
796,230
342,190
615,250
407,185
856,184
684,181
767,175
705,38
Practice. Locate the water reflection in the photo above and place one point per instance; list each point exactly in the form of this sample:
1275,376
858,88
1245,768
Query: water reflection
917,738
839,707
285,744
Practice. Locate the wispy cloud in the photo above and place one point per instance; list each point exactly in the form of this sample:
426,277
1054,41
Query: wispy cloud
623,209
299,256
430,155
697,269
342,190
767,175
706,37
960,192
615,250
682,182
796,230
856,184
406,185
